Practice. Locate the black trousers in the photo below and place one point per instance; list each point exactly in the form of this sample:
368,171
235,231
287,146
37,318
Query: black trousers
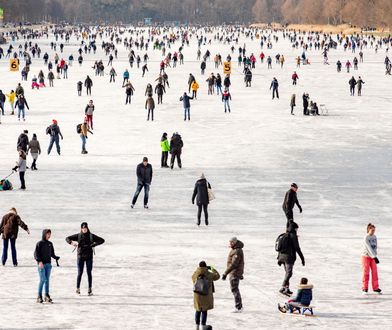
203,207
165,155
173,158
22,180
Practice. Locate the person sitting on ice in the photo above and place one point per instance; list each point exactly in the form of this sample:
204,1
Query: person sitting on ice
34,83
303,298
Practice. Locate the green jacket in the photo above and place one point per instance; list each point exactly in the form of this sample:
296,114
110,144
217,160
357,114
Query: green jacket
165,145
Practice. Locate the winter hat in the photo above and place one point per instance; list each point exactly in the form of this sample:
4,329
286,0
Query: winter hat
294,185
202,176
54,121
145,159
84,225
202,264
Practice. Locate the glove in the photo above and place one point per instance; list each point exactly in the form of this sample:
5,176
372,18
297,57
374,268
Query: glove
376,260
303,262
211,268
15,168
193,202
300,209
224,277
57,258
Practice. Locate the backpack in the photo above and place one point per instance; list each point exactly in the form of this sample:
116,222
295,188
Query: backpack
48,130
282,243
201,286
79,128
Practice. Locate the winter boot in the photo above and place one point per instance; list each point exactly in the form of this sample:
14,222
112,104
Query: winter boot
90,292
48,299
78,291
39,300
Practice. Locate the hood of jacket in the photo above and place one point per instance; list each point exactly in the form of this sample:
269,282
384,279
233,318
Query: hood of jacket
305,286
44,232
238,245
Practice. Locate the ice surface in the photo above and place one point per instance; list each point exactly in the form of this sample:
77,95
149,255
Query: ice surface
142,274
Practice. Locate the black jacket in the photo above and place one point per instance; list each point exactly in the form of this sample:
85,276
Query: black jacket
176,144
23,142
86,243
291,255
201,192
290,199
44,250
144,173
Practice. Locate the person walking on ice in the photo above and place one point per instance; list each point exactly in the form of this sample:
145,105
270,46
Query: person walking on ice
85,242
370,260
83,130
235,271
187,105
144,178
202,200
290,200
44,252
54,132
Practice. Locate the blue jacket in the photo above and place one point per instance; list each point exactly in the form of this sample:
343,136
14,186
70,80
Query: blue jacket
185,100
304,294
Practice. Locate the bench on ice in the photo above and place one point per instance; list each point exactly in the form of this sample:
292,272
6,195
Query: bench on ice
301,309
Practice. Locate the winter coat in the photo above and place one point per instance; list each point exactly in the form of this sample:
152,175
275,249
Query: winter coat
86,243
195,86
88,82
22,164
44,250
2,97
54,130
352,82
176,143
304,294
290,199
89,110
292,101
205,303
149,91
201,192
21,103
84,130
370,246
150,104
10,224
23,142
144,173
165,144
11,97
293,248
160,89
186,100
274,84
236,262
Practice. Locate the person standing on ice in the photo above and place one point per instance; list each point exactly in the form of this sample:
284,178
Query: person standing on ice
9,228
113,75
176,145
21,103
288,255
144,178
125,76
85,242
79,86
202,200
84,130
275,88
226,98
294,77
89,111
35,150
292,103
352,82
150,106
191,79
370,260
290,200
235,271
187,105
165,150
54,132
88,83
21,164
128,92
204,302
360,83
44,252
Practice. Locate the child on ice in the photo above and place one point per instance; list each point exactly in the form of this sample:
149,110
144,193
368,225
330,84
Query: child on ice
303,298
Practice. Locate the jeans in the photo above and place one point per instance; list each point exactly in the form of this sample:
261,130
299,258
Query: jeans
54,139
289,272
44,276
83,138
89,268
368,264
234,285
203,315
203,207
187,111
21,111
227,105
139,188
5,251
219,88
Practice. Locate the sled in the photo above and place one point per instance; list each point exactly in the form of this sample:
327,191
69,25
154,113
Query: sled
323,110
301,309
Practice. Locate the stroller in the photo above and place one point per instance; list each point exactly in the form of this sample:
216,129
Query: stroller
5,184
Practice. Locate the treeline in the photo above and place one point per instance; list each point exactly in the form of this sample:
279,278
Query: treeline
357,12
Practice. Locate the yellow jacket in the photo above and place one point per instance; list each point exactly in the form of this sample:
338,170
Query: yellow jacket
11,97
195,86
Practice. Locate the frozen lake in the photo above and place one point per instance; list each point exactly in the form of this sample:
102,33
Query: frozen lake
142,274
